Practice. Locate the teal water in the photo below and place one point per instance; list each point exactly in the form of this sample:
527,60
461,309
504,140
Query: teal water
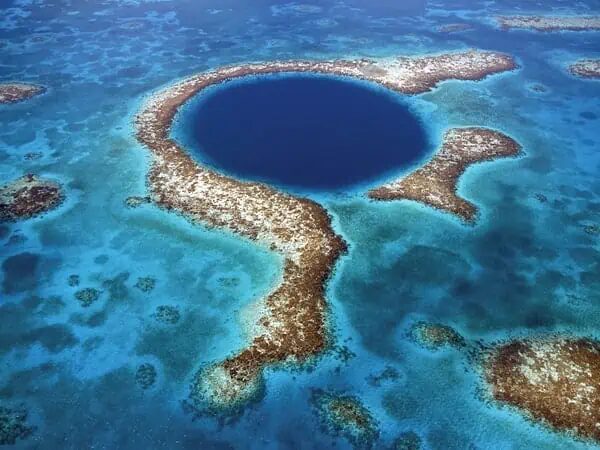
527,266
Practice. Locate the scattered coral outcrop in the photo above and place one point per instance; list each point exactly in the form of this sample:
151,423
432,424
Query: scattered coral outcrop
145,375
388,374
167,314
28,196
18,92
586,68
73,280
145,284
345,415
409,440
136,201
13,425
434,184
555,380
292,327
434,336
87,296
550,23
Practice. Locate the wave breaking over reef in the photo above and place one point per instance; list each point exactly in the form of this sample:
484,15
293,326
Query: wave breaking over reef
293,325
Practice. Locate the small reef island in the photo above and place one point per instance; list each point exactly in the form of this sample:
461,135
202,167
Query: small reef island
454,27
555,380
27,197
550,23
18,92
586,68
292,323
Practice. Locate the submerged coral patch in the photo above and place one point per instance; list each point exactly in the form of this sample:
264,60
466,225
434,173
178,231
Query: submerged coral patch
454,27
145,375
592,230
87,296
145,284
345,415
388,374
136,201
73,280
408,440
117,287
32,156
167,314
20,272
13,425
434,336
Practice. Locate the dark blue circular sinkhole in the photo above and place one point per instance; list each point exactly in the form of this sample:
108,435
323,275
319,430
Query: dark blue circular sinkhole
305,132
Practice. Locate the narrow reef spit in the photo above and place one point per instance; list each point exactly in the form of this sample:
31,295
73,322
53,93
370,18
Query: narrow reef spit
586,68
292,327
345,415
555,380
435,183
27,197
18,92
550,23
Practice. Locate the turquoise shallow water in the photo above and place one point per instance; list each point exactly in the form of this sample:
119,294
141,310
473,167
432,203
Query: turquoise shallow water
527,266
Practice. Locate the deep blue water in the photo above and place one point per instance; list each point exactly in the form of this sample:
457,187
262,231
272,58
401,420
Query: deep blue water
305,131
526,267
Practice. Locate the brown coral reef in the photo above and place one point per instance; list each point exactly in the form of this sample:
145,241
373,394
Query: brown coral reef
435,183
586,68
293,324
28,196
18,92
555,380
550,23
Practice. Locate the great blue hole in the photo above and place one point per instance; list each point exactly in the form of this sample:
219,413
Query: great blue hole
303,132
